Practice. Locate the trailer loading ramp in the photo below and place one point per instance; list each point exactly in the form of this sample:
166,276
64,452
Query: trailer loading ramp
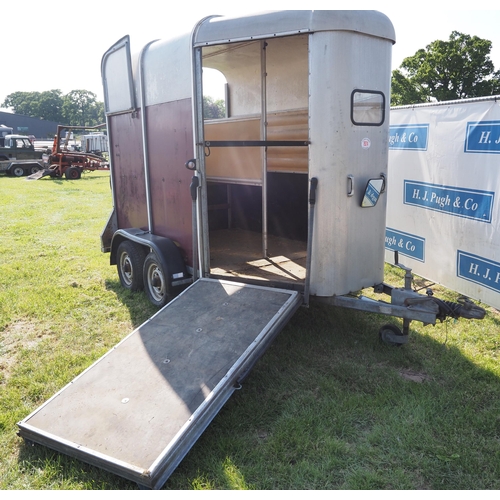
139,409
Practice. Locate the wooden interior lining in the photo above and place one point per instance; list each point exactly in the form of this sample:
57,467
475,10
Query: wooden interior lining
245,164
288,126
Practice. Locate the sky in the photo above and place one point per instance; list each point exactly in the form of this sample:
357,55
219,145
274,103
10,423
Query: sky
60,46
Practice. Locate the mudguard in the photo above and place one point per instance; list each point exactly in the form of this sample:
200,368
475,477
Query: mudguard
166,249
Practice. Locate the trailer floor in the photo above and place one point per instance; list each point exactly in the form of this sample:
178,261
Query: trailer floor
139,409
238,253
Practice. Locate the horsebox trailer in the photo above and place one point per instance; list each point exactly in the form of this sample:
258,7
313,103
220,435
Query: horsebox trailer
232,224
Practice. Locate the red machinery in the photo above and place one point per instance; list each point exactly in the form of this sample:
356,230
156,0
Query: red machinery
71,164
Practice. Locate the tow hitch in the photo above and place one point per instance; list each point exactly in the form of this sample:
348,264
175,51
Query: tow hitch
410,305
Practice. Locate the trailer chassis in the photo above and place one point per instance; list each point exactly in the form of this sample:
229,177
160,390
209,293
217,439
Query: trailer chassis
408,304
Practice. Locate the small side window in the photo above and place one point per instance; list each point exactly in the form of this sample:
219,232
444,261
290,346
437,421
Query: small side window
367,107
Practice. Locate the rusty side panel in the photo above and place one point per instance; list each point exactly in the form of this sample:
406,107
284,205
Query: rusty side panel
128,171
170,143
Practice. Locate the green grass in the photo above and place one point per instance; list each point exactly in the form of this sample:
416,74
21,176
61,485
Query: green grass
327,407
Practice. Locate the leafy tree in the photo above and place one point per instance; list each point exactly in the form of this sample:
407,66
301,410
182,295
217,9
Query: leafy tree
46,105
98,116
405,90
446,70
78,107
50,105
213,109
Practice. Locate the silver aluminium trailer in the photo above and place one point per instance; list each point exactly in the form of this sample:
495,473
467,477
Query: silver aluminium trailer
231,224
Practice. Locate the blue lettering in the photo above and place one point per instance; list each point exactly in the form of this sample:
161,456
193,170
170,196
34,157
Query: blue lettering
408,244
461,202
480,137
484,137
478,270
411,137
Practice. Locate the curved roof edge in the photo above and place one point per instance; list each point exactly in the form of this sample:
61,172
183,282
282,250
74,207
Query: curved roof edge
278,23
448,103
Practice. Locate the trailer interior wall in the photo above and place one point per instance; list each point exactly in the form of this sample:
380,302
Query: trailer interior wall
444,175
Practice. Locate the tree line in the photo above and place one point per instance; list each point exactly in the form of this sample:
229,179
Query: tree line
78,107
457,68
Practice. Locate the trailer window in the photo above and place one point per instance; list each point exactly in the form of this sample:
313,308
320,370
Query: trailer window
214,94
367,107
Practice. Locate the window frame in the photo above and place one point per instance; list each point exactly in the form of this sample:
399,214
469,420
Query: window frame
373,92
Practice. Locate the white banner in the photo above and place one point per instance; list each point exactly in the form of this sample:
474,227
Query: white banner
443,182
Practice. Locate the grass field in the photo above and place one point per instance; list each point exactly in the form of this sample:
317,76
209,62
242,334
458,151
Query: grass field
327,407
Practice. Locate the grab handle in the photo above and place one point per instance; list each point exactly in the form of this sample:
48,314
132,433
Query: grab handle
350,185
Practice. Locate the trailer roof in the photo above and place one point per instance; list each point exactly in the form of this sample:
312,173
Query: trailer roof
217,29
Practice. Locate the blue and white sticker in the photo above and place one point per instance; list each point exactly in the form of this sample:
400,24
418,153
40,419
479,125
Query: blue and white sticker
460,202
405,243
483,137
479,270
411,137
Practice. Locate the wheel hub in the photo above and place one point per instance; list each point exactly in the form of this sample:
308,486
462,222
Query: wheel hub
126,267
156,283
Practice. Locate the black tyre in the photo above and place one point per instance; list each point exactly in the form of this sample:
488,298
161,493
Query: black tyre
155,280
17,171
130,262
34,169
388,335
73,173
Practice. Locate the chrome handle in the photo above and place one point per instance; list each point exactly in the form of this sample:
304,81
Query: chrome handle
350,185
384,184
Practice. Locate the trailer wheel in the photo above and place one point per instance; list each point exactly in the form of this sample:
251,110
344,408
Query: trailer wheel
155,280
73,173
34,169
130,259
17,171
388,335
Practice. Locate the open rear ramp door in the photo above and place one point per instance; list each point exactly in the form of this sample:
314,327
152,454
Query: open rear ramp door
139,409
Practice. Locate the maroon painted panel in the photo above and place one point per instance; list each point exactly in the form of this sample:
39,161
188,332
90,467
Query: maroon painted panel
170,143
128,171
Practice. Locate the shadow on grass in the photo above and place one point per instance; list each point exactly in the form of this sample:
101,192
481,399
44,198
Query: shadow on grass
136,302
330,407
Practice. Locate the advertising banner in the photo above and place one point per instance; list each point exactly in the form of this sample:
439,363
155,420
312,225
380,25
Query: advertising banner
443,187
